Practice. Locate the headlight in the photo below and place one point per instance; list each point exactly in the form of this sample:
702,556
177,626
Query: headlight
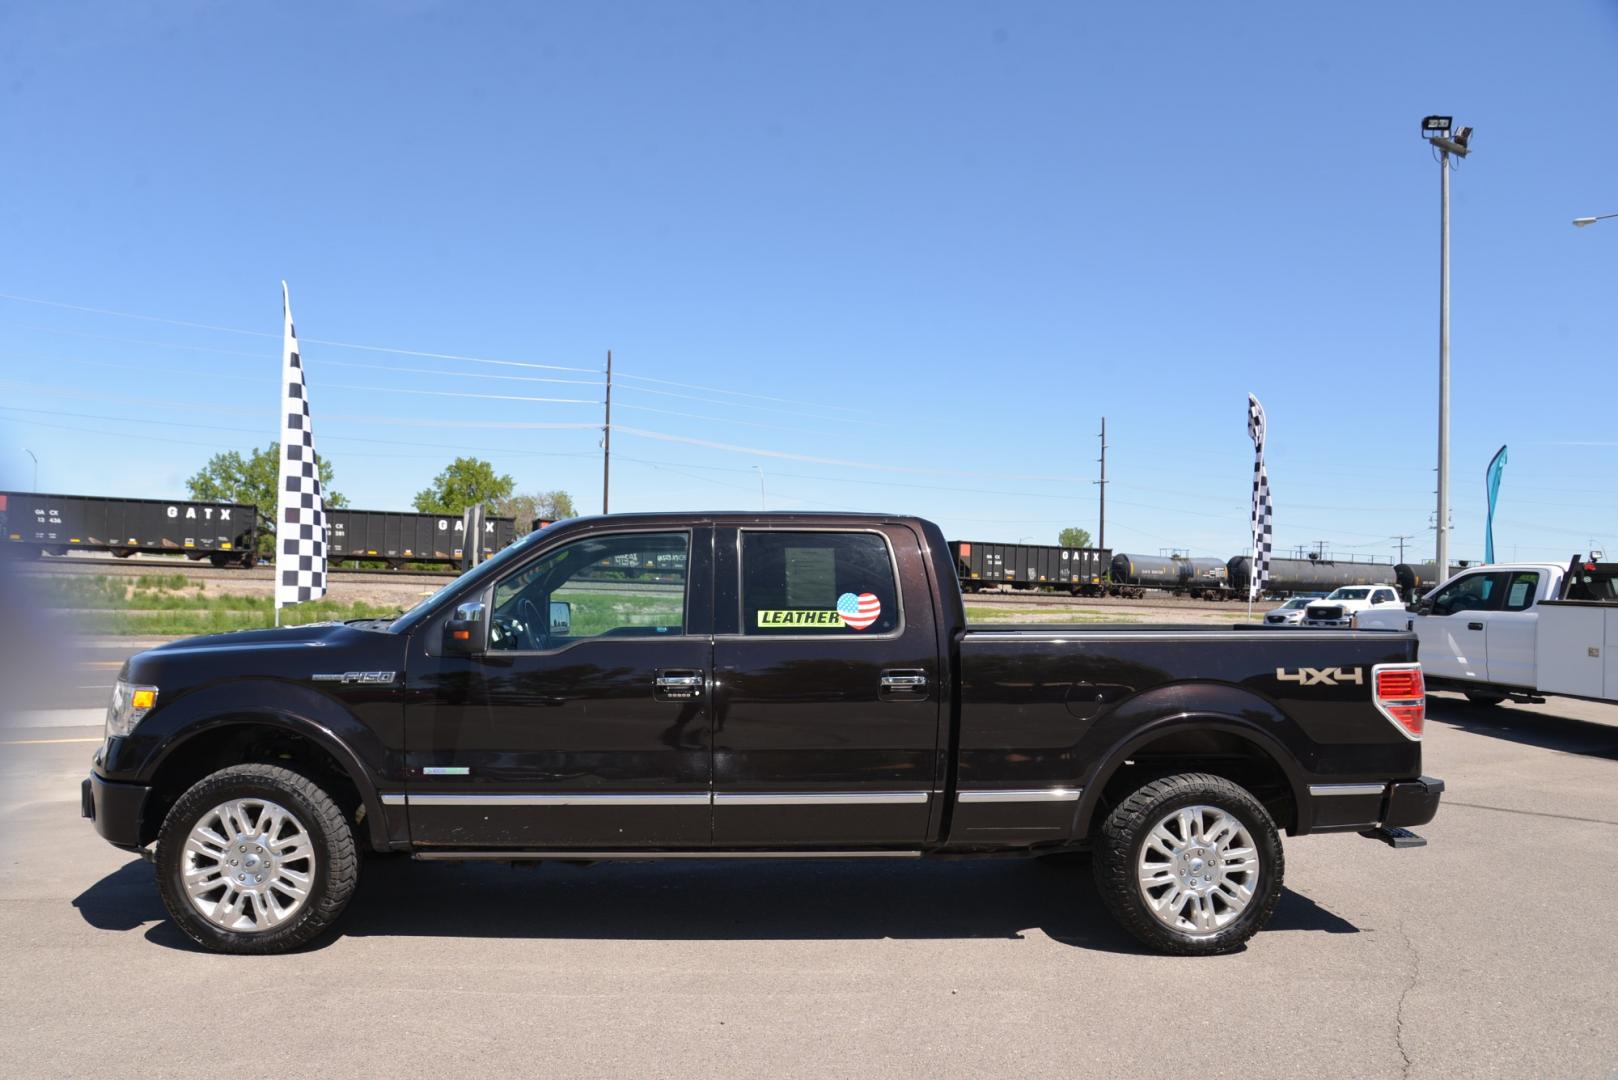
129,704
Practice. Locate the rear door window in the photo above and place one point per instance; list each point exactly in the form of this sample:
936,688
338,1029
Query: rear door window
1521,590
823,584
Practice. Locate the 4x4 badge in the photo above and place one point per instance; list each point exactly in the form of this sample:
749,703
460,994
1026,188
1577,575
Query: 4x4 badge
1329,676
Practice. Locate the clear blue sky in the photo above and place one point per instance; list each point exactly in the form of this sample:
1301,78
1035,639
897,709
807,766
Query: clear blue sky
939,238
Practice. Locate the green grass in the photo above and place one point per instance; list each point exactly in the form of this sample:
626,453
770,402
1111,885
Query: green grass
594,613
1063,615
162,605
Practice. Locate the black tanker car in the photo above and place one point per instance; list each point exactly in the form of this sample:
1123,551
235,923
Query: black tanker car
780,686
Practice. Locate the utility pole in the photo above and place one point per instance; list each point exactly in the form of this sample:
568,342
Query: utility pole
30,453
1436,130
762,505
1401,540
606,440
1101,529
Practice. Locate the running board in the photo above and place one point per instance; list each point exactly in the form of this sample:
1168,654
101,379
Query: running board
1395,837
602,856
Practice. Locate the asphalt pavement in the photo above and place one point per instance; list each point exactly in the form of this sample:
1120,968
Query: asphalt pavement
1491,952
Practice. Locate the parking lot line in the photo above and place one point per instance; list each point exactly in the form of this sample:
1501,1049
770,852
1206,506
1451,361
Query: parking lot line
42,742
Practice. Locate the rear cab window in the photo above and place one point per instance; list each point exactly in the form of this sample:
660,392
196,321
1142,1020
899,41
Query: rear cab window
820,584
1521,590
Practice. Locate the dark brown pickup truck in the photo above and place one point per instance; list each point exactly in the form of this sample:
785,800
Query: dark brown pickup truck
750,686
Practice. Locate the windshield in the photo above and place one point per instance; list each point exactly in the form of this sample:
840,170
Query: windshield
1349,594
1295,603
480,573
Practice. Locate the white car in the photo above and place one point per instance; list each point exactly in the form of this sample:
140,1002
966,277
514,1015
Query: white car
1517,630
1288,614
1340,606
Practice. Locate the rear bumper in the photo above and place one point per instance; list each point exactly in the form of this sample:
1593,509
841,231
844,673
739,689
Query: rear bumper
1413,802
115,809
1352,807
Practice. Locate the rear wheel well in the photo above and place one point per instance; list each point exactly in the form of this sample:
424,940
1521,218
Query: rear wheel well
242,744
1221,753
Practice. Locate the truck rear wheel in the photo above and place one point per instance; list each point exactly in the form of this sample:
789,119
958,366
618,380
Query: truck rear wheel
255,859
1190,864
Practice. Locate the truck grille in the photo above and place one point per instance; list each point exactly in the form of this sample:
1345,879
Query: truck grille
1331,614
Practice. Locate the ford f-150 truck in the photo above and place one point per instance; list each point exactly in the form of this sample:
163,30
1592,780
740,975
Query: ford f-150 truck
749,686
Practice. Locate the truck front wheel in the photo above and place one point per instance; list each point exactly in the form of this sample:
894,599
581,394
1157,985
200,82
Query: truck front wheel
1190,864
255,859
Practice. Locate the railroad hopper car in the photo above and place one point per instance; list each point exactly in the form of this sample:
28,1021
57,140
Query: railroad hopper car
1080,571
399,538
33,523
1206,579
1289,576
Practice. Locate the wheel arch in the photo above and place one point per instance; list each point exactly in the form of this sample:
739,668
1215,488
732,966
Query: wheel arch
265,733
1181,737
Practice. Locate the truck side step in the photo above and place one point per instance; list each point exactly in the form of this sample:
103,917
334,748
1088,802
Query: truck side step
1395,837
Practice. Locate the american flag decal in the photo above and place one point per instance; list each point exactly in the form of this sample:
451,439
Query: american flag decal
1263,511
860,611
300,521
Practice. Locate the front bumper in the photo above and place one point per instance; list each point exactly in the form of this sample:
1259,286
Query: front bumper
116,809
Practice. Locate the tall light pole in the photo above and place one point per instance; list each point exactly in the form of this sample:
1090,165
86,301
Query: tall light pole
30,453
1581,222
1436,130
1101,538
606,440
762,504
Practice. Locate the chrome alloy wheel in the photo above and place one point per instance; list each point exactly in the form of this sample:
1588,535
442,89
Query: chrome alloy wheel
248,865
1198,869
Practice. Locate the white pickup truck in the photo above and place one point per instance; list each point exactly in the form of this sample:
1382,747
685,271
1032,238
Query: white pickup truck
1516,630
1338,609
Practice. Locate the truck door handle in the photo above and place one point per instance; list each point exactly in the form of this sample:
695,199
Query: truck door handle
679,682
1474,626
678,685
904,680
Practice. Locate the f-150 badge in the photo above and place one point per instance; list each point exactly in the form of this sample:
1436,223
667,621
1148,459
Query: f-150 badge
350,677
1328,676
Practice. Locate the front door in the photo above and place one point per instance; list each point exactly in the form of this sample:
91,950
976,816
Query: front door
826,690
1452,629
584,724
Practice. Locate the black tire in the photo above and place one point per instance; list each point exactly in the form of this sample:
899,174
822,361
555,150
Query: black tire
1126,830
336,862
1482,697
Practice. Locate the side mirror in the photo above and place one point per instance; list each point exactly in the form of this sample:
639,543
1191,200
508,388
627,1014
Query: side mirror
1422,607
466,630
561,618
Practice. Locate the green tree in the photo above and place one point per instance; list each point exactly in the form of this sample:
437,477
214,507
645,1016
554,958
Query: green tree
464,482
1074,537
525,506
233,478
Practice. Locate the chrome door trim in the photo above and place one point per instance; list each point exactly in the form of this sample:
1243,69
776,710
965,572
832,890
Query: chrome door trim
1319,790
509,856
1019,795
820,798
684,798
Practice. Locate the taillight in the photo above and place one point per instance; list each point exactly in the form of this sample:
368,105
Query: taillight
1401,695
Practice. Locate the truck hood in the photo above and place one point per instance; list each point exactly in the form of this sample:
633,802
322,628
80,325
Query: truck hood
313,635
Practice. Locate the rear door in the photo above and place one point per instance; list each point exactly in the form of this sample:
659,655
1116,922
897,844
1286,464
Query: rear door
1513,630
1453,630
825,695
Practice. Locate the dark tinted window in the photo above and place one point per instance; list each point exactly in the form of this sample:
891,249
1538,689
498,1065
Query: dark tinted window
1474,592
817,583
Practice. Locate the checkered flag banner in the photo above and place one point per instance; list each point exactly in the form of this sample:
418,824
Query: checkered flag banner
300,520
1263,511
